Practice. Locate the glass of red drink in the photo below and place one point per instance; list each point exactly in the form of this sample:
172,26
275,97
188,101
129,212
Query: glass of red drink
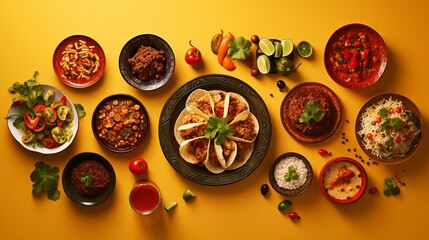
145,197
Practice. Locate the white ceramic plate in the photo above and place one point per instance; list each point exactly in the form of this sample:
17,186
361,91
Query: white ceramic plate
17,133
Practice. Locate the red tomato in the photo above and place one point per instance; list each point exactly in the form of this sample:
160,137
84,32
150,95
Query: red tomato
48,142
193,55
138,166
370,136
293,215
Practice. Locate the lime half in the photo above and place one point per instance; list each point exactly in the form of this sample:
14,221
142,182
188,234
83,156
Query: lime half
188,195
278,49
389,183
263,64
266,46
287,46
170,205
305,49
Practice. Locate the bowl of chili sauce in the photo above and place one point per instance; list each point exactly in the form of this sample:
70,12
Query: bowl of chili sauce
356,56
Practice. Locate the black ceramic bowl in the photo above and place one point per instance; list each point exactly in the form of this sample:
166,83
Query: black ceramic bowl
71,191
288,157
130,49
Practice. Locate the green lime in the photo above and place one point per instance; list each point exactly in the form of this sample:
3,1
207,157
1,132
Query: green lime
266,46
304,49
170,205
287,46
389,183
283,205
278,49
188,195
263,64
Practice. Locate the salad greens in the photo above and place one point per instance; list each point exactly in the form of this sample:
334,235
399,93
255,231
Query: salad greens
312,111
45,178
218,129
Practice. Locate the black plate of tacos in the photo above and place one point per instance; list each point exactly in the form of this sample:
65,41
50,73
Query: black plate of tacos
202,103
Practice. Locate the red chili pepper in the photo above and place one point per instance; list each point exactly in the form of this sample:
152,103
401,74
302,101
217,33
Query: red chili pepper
39,107
63,100
34,124
324,152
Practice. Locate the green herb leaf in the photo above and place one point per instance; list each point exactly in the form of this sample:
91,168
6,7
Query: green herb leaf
80,110
291,174
218,129
45,178
86,178
383,112
239,48
311,111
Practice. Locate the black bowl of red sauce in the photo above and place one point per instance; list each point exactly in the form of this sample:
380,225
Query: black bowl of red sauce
88,179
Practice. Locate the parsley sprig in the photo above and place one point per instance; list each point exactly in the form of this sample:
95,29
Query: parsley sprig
218,129
311,111
45,178
239,48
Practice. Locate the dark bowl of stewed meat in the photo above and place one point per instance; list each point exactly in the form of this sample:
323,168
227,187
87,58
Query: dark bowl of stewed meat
88,179
120,123
147,62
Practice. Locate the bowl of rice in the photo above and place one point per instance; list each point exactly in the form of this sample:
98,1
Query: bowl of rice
389,128
290,174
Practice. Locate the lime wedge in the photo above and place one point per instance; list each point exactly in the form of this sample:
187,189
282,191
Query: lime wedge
266,46
170,205
389,183
287,46
278,49
188,195
305,49
263,64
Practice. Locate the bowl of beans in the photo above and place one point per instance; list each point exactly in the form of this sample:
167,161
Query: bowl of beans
120,123
147,62
290,174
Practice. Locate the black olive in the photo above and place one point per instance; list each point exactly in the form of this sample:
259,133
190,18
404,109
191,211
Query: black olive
281,84
264,189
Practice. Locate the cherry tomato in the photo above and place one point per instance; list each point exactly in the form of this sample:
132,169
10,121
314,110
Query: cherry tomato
293,215
324,152
378,120
398,109
370,136
48,142
193,55
138,166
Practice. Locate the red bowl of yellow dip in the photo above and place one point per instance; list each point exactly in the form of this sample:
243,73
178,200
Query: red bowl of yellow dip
343,180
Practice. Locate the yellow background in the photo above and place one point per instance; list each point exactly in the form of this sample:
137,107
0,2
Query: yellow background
31,30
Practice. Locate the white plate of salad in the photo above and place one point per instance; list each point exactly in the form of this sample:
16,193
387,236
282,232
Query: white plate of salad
42,118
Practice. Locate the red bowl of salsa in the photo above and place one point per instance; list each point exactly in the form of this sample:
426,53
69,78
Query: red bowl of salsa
355,56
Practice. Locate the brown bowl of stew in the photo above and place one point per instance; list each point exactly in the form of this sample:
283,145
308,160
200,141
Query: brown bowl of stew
120,123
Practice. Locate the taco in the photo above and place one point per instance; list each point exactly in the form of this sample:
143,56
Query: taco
187,122
246,127
235,104
244,151
202,100
218,97
226,152
213,164
195,150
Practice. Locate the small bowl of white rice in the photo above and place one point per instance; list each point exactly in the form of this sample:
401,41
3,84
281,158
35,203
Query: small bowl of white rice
290,174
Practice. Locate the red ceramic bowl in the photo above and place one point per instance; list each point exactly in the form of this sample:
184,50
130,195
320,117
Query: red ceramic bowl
344,189
86,79
355,56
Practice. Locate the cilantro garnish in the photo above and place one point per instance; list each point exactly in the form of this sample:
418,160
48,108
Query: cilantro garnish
311,111
239,48
291,174
86,178
218,129
45,178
